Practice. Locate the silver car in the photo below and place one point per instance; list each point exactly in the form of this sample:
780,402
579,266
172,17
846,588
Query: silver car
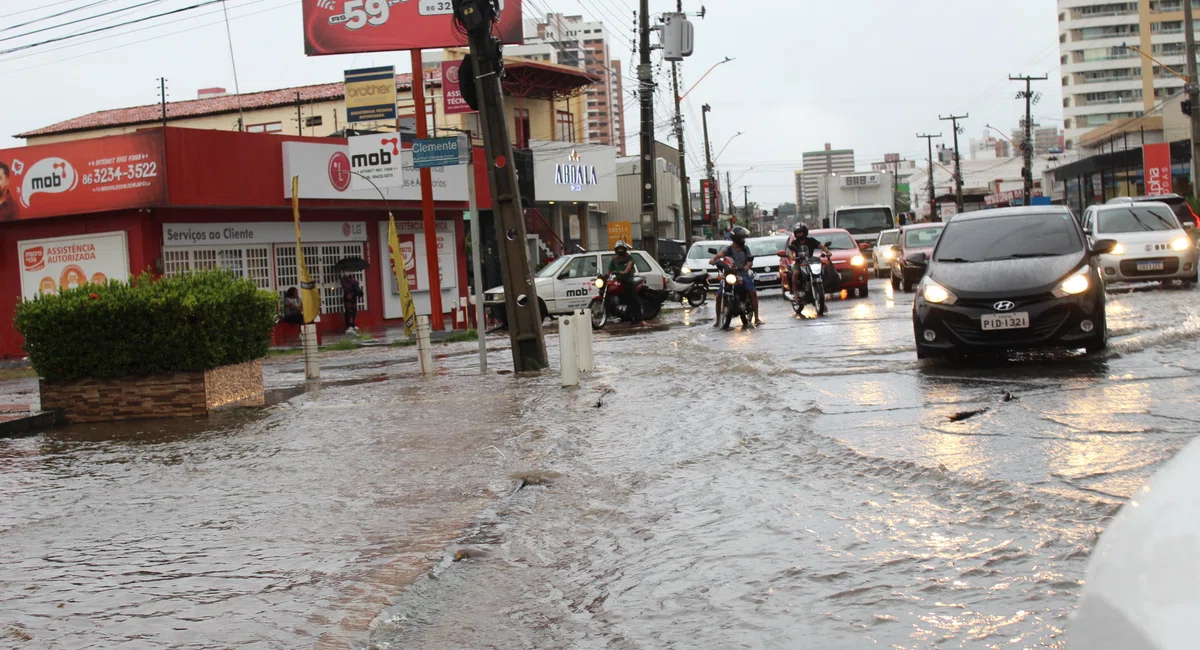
884,251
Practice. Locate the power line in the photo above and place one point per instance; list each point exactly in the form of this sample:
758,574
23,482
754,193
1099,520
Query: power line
78,20
44,6
61,13
110,27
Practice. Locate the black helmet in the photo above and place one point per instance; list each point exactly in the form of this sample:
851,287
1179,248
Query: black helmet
739,235
801,230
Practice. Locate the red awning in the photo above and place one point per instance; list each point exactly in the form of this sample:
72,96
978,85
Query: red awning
549,81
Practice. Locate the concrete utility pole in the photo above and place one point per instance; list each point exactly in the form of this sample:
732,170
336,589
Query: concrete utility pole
1027,145
933,213
162,98
684,189
708,165
729,191
746,203
1193,88
646,95
958,200
520,296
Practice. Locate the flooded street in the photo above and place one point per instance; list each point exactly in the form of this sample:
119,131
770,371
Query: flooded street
802,485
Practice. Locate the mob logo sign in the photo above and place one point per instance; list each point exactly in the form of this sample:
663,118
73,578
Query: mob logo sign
375,161
1157,161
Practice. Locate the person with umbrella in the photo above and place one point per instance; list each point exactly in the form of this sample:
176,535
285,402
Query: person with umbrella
351,290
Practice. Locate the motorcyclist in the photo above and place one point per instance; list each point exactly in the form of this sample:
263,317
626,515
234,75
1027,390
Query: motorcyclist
742,260
622,266
801,246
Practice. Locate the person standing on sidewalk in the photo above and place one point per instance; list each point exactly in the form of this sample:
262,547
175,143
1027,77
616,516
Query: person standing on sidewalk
351,292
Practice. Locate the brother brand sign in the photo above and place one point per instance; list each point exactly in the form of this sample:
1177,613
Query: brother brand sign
567,171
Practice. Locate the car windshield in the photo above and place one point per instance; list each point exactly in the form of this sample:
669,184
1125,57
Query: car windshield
763,247
1137,219
864,220
887,238
838,241
552,269
700,251
1004,238
922,237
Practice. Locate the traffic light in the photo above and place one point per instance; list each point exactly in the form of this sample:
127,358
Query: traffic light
1186,107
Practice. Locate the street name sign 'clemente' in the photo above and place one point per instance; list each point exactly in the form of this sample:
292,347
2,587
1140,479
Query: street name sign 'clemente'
441,152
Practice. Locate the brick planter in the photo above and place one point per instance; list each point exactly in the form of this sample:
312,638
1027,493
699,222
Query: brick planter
176,394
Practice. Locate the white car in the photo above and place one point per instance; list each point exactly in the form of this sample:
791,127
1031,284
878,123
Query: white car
568,283
698,257
884,252
766,259
1151,243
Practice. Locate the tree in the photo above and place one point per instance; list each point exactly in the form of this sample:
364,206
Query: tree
787,210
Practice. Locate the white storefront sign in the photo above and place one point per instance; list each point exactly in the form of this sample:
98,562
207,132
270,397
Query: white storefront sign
324,171
375,157
50,264
566,171
272,232
412,244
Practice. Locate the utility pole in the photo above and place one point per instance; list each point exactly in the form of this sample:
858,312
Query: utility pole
476,17
746,206
708,166
646,96
162,98
958,200
299,116
729,191
933,212
1027,145
1189,39
685,191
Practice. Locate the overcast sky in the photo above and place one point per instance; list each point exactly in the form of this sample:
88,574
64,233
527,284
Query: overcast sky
867,74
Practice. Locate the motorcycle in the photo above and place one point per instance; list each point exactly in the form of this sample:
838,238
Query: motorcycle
608,304
735,296
809,284
691,288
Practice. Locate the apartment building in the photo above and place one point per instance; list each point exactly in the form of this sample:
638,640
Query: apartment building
825,161
572,41
1104,80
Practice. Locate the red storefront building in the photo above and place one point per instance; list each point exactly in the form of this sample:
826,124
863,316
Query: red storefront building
170,200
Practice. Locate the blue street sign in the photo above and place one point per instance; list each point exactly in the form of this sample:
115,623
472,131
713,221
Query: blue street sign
441,152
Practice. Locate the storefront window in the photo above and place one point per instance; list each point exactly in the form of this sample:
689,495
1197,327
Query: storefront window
566,126
322,262
521,133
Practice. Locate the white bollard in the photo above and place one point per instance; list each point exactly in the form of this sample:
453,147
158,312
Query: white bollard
312,362
583,347
567,359
424,349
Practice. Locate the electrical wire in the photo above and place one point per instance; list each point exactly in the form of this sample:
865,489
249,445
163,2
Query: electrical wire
61,13
110,27
80,20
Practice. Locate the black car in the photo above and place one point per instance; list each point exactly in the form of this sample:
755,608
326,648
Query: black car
671,255
1011,279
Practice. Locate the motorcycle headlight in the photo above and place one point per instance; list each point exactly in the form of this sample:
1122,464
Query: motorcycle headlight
937,294
857,260
685,270
731,279
599,283
1119,249
1074,285
815,268
1181,244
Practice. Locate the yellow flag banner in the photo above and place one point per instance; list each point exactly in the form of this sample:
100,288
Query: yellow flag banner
398,265
310,296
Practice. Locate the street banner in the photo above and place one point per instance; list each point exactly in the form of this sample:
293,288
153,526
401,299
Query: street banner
310,296
50,265
708,198
375,161
82,176
619,231
400,271
371,94
452,89
352,26
1157,161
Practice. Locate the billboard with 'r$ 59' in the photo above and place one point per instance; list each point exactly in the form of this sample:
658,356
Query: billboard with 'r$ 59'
350,26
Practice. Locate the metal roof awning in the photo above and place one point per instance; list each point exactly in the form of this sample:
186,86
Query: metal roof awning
548,81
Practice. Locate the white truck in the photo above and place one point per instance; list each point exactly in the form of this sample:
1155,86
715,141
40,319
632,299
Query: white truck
860,203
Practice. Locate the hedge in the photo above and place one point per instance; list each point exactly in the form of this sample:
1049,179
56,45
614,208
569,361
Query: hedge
192,322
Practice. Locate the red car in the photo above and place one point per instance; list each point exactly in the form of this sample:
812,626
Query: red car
848,259
919,238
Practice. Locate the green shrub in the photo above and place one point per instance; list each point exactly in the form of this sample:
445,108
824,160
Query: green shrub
190,322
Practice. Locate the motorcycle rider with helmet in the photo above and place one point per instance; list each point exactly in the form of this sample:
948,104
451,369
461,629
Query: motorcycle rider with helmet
741,260
800,246
622,266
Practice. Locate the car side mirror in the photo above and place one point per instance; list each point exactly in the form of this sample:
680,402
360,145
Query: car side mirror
1188,225
782,253
825,222
864,246
712,251
919,259
1103,246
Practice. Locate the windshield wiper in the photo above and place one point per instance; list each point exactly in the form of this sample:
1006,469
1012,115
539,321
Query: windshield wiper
956,260
1023,256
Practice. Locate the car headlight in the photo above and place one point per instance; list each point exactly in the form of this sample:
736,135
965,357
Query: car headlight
937,294
889,254
1074,285
857,260
731,279
685,270
599,283
1119,249
1181,244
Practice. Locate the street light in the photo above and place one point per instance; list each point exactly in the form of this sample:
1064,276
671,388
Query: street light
740,176
726,146
714,67
1001,133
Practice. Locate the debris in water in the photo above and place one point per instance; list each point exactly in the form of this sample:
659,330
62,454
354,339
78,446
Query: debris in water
964,415
1008,397
469,552
535,477
600,402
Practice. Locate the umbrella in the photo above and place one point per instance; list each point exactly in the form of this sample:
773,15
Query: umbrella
353,264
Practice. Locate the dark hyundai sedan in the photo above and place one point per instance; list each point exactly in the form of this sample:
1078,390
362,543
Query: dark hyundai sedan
1011,279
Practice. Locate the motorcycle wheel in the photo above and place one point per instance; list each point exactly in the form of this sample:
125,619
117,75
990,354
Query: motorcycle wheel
745,321
822,308
697,297
650,309
599,315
